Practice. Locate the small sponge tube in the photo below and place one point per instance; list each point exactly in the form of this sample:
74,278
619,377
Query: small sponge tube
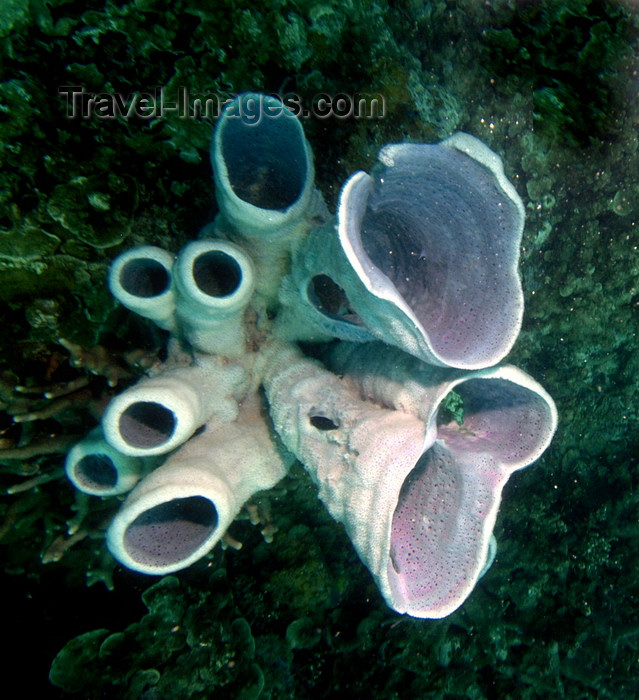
180,511
215,281
161,412
95,468
141,280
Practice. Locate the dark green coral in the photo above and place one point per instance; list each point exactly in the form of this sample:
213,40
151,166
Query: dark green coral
571,52
188,645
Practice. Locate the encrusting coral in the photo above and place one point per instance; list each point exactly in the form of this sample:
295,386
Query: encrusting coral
423,255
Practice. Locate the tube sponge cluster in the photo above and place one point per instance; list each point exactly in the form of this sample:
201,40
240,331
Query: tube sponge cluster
415,278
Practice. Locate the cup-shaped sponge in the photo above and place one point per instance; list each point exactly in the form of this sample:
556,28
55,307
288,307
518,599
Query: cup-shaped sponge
424,256
418,492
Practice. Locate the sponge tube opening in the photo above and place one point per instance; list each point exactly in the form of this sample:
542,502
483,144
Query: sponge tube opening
146,424
216,273
95,473
144,277
264,153
170,532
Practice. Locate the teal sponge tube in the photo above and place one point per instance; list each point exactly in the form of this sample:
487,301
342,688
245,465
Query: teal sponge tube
95,468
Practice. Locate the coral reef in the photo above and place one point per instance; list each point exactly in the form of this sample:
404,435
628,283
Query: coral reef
559,621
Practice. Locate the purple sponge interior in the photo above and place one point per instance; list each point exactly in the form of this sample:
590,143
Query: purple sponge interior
170,532
440,227
448,503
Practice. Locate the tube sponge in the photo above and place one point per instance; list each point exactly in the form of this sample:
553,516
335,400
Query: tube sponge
410,445
215,281
181,510
96,468
264,185
161,412
141,280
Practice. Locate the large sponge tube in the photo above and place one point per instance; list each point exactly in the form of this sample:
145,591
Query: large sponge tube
264,184
417,494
